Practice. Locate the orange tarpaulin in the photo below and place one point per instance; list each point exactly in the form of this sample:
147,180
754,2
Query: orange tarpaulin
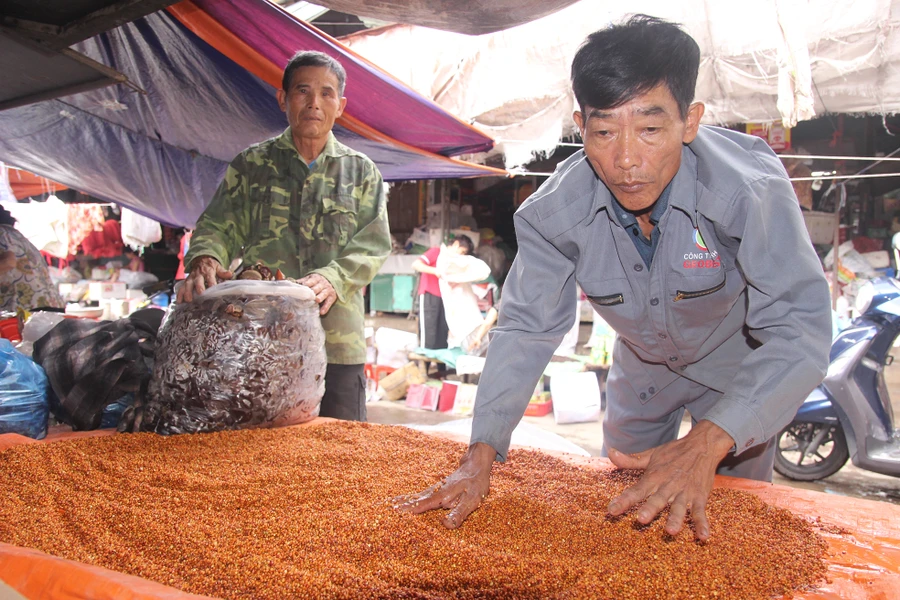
25,184
863,559
218,36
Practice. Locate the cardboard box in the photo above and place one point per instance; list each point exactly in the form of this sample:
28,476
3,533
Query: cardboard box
395,385
103,290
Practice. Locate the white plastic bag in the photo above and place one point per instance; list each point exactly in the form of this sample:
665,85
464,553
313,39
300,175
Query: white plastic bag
139,231
136,279
40,324
576,397
45,224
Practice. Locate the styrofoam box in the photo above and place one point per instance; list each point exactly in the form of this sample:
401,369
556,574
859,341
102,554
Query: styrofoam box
101,290
820,226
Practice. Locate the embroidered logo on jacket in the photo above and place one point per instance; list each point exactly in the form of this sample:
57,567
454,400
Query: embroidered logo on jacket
704,259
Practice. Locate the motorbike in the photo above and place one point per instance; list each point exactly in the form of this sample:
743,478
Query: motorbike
849,415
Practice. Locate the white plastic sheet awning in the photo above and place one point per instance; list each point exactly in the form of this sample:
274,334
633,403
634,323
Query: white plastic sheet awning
762,60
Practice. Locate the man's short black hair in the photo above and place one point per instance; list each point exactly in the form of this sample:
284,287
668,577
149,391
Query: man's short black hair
311,58
619,63
466,243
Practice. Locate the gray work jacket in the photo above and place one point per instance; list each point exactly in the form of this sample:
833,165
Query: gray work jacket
735,298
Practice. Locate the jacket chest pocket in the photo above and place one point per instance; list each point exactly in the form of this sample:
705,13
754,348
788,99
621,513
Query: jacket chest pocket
338,219
611,299
690,295
699,304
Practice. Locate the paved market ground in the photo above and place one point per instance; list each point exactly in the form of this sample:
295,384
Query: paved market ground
849,481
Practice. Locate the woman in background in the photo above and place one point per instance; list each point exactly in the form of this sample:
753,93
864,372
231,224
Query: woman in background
24,280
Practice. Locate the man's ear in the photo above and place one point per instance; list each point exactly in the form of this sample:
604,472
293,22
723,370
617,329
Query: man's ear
341,107
578,116
692,122
282,100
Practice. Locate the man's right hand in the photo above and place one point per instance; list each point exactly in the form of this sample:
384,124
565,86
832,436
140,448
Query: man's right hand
461,492
204,273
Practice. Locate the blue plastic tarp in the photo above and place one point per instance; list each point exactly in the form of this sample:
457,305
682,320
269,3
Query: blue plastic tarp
163,153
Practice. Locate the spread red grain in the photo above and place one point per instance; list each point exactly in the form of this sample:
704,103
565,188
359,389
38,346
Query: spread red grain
306,513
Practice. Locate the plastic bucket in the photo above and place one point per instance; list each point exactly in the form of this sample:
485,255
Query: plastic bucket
9,329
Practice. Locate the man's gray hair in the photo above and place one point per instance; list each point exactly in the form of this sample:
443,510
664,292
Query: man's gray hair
311,58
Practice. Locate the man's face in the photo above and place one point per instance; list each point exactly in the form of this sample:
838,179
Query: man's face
635,148
312,102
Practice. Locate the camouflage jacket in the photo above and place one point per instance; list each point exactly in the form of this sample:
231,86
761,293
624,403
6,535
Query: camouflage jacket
331,221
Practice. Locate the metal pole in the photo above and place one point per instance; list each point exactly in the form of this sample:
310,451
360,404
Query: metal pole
835,265
445,211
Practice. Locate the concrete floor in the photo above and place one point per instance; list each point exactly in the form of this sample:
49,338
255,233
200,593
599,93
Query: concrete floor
849,481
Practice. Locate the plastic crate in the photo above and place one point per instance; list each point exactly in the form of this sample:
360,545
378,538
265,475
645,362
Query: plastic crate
539,409
375,372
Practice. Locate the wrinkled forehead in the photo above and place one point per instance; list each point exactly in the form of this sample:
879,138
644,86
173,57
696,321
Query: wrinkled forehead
649,110
658,101
322,77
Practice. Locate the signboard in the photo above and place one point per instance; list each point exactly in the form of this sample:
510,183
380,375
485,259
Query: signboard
776,135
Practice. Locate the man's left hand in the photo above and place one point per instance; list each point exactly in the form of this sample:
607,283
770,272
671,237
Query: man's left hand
324,291
678,474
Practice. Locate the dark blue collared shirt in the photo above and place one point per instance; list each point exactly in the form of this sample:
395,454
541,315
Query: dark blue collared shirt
646,248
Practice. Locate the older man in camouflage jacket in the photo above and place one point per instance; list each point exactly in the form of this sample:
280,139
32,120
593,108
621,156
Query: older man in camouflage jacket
312,207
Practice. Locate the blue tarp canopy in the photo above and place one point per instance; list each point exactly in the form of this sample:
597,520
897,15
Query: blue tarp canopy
163,153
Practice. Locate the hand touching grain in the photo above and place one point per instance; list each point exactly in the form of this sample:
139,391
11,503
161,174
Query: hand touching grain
461,492
678,474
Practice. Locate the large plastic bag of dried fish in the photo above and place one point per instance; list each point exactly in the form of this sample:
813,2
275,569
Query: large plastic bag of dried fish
244,354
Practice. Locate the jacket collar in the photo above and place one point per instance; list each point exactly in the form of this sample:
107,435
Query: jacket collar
332,148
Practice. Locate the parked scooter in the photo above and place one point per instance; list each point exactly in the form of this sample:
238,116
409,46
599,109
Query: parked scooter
850,415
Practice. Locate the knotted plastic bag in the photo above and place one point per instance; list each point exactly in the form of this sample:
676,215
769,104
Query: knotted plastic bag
243,354
23,394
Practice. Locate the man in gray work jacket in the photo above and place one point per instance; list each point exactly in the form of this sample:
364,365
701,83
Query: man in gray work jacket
689,242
